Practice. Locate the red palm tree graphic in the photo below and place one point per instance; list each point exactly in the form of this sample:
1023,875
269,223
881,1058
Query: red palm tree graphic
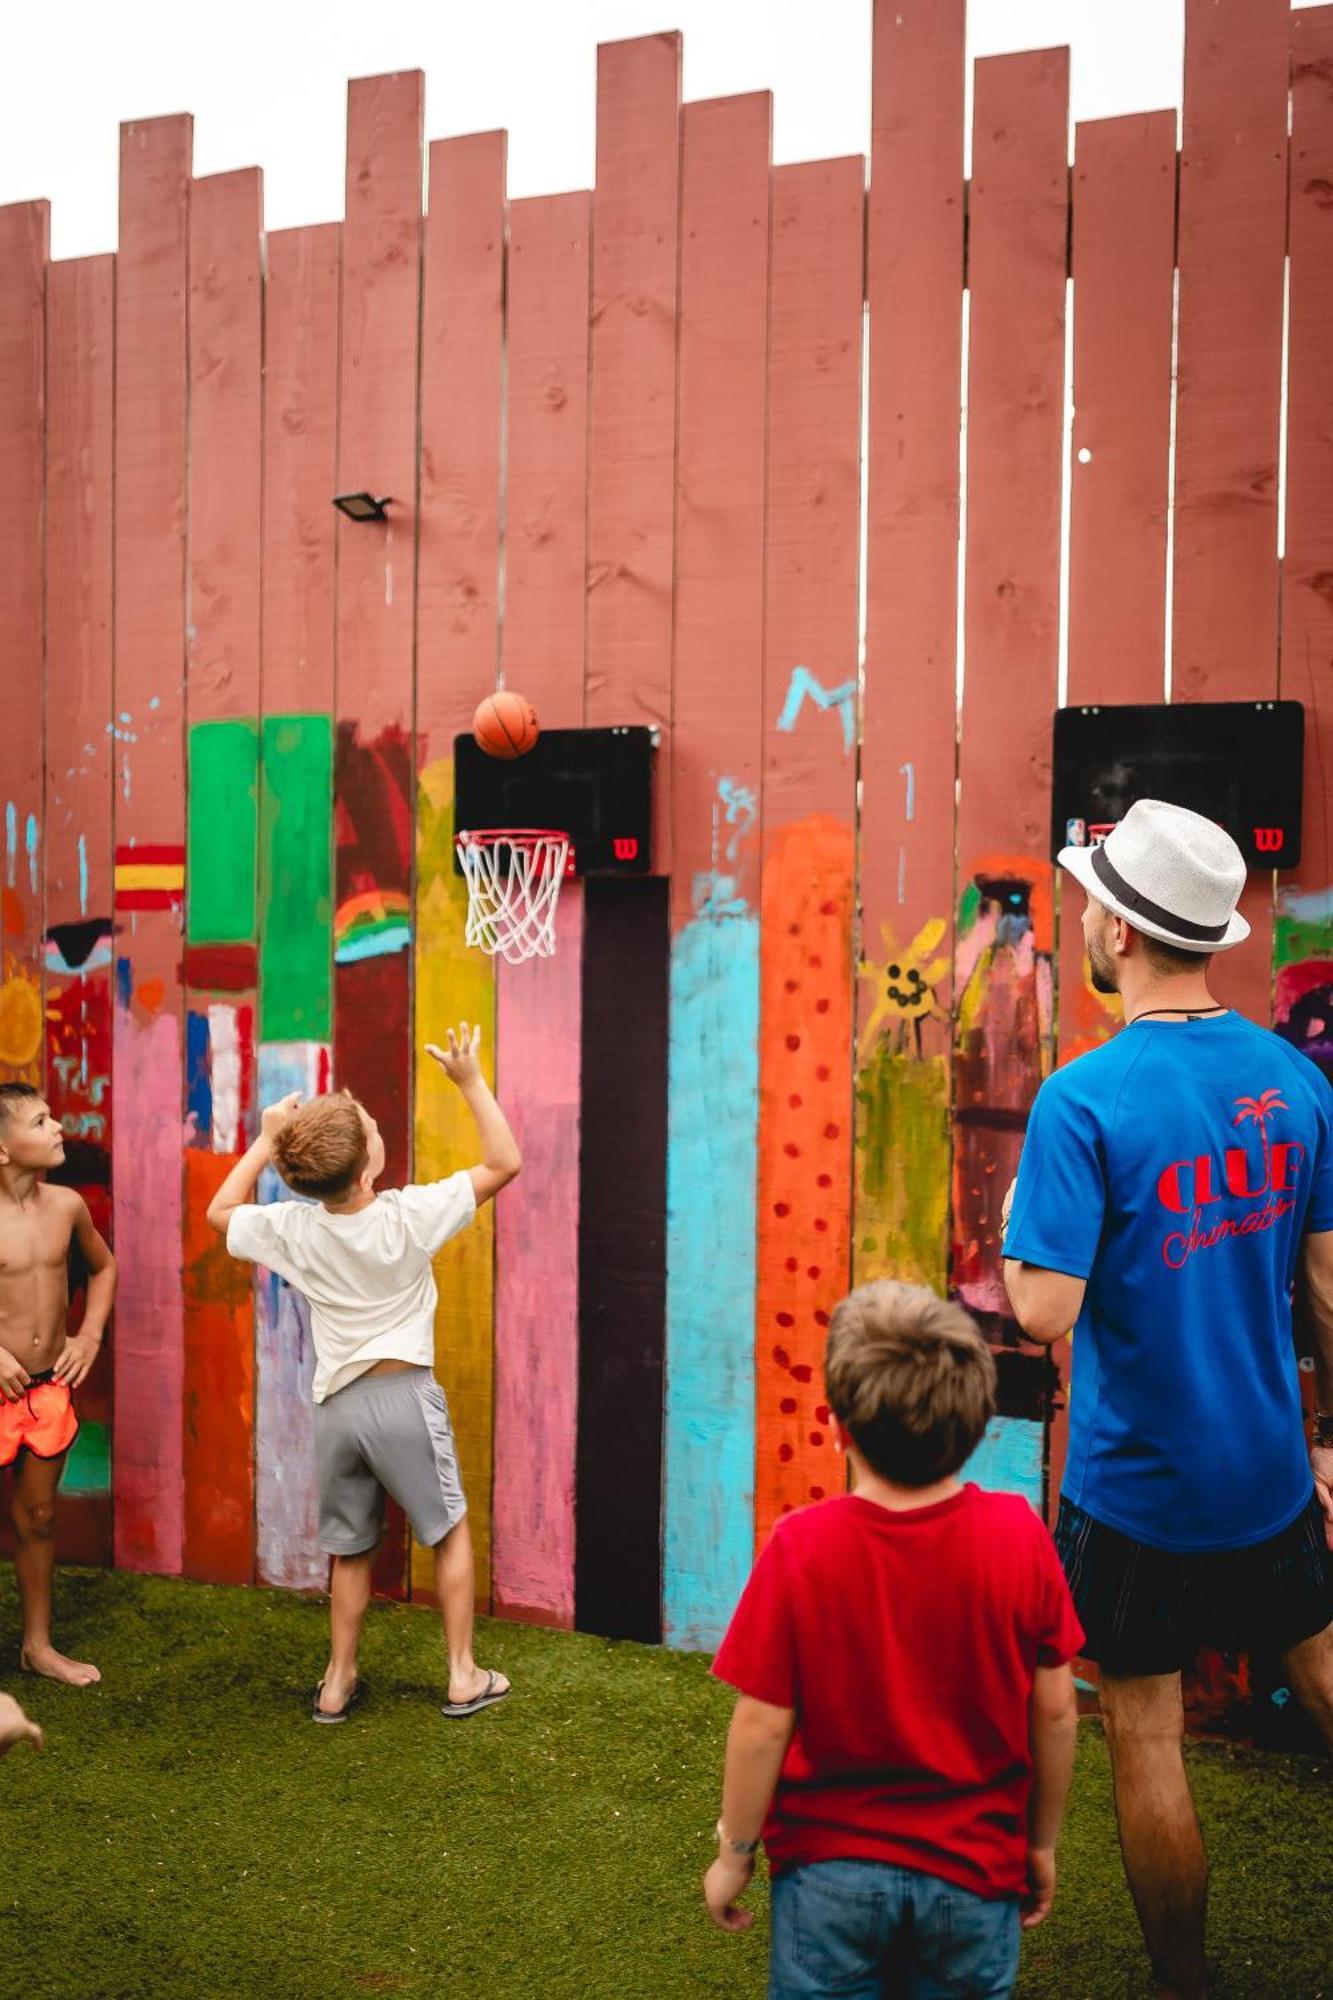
1259,1110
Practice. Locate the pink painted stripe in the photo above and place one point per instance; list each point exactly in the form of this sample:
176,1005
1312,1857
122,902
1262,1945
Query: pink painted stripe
146,1476
537,1280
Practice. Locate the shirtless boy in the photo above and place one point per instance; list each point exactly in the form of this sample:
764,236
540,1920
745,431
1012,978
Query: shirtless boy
40,1365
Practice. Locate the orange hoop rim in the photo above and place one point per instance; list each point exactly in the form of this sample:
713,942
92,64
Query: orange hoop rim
517,836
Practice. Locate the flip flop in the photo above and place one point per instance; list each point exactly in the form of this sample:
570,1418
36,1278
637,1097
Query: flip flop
318,1714
489,1695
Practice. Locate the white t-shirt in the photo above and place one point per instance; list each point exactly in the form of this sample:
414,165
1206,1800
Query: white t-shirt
367,1276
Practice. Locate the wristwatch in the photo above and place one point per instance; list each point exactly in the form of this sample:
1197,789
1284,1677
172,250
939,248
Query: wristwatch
1323,1431
736,1846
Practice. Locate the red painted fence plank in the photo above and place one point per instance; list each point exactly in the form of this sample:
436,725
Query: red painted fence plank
908,756
377,438
1017,239
225,481
150,813
1233,194
810,673
632,422
24,235
80,757
457,641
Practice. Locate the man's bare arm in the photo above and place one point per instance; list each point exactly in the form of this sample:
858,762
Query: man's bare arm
1045,1303
239,1186
1318,1260
77,1356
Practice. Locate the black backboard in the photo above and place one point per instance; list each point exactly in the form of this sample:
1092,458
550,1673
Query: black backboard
596,785
1240,762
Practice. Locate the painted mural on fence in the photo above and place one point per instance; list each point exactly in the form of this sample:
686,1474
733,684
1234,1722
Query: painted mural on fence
210,903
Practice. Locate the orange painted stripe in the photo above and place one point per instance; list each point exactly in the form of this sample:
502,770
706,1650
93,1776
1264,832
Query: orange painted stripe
809,803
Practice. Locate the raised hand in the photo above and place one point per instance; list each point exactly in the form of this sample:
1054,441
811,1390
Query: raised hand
461,1061
274,1116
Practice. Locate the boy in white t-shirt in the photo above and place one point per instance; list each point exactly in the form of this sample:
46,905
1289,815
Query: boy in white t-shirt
363,1261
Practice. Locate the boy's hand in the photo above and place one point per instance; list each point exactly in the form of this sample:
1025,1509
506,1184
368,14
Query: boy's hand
15,1726
729,1877
274,1116
461,1061
76,1358
1041,1887
14,1377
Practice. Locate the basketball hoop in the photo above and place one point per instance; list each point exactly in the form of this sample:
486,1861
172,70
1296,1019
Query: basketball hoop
513,887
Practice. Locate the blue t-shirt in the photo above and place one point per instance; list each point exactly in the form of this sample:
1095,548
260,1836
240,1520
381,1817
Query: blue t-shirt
1176,1169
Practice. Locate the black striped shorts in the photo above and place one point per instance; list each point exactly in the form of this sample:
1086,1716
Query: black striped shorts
1149,1611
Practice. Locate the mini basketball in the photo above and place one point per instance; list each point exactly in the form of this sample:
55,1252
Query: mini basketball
505,725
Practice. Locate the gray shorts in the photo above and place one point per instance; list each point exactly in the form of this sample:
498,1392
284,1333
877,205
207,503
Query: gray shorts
386,1434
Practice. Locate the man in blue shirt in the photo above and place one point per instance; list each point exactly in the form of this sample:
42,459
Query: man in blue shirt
1171,1183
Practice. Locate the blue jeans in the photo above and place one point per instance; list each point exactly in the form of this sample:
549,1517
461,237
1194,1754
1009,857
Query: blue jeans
861,1930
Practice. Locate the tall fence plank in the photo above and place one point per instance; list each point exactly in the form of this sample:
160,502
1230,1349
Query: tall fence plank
222,764
631,468
1016,274
717,748
540,1005
457,623
632,420
295,867
80,327
1233,194
1303,999
374,770
24,238
148,1047
809,781
908,760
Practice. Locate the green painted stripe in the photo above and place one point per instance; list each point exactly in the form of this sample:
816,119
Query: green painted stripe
296,880
88,1467
220,865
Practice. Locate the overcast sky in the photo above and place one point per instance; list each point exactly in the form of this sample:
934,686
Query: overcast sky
266,80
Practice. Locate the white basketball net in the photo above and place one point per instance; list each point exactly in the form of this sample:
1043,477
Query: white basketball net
513,889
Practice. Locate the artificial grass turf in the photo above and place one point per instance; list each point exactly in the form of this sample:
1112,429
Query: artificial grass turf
189,1832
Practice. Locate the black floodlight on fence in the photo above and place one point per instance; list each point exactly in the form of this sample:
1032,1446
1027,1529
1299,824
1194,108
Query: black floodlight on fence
362,506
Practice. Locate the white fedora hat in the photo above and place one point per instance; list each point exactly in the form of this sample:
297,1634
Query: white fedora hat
1171,873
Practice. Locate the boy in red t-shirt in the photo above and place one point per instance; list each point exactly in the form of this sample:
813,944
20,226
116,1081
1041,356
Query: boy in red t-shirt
904,1737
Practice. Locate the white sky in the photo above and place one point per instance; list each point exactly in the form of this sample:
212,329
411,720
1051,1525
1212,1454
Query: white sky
266,79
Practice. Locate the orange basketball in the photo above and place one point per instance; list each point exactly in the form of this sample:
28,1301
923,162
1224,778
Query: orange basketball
505,725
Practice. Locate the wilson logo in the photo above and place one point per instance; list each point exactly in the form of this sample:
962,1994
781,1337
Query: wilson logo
1269,839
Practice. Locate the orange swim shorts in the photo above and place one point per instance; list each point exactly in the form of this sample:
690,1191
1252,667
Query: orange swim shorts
42,1421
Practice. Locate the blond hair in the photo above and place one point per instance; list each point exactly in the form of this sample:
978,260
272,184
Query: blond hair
911,1378
322,1151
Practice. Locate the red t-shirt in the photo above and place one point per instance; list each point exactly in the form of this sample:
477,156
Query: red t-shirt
907,1645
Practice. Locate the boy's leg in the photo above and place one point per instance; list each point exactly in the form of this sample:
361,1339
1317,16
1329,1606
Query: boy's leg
34,1515
456,1587
349,1598
1310,1667
1160,1838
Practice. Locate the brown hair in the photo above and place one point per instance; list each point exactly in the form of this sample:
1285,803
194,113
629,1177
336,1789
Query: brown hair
323,1150
911,1378
14,1094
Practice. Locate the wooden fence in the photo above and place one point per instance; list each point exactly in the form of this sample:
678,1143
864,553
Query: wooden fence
629,437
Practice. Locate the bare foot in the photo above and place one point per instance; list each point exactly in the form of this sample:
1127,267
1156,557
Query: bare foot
15,1726
468,1686
54,1666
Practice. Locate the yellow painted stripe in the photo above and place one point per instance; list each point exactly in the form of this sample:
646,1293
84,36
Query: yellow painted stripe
454,984
150,875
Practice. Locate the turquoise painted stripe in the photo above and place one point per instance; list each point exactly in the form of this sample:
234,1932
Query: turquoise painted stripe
711,1234
1008,1459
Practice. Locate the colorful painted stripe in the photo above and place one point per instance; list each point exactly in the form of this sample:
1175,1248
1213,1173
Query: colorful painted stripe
373,925
713,1099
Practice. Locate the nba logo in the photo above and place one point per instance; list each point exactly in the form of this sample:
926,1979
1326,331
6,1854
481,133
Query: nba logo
1076,833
